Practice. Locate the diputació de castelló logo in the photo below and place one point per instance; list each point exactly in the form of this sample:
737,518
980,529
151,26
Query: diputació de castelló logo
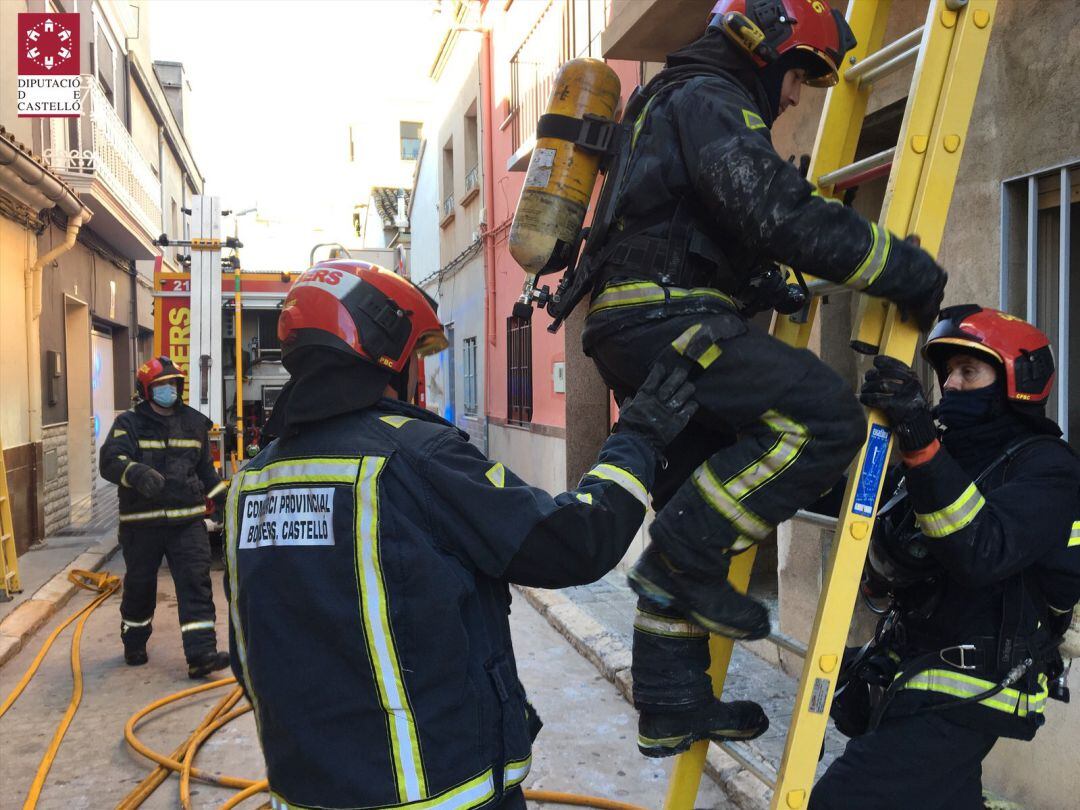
49,83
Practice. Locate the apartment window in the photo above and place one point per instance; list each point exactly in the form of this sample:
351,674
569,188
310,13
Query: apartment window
447,179
469,374
546,47
518,371
471,155
410,140
1040,274
106,65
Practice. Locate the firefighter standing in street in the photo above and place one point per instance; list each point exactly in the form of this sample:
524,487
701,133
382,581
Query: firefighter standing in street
706,204
979,551
369,550
158,453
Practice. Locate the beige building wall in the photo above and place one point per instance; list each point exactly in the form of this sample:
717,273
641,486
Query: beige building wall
18,249
21,128
456,148
144,128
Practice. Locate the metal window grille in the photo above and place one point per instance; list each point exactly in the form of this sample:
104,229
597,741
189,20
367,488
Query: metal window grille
472,179
469,373
518,371
1040,220
448,206
534,65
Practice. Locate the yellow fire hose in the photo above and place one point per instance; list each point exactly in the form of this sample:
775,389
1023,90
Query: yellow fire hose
105,585
222,714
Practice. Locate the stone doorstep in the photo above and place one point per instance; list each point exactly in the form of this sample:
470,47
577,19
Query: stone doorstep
607,652
19,625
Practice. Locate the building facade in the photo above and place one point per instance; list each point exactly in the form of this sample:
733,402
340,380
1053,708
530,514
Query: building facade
129,164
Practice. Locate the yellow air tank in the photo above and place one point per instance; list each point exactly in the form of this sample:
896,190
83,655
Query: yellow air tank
561,176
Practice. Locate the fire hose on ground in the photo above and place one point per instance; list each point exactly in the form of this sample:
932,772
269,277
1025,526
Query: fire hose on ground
182,759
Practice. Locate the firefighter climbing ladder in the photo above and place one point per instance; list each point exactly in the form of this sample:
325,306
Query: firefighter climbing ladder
948,51
9,564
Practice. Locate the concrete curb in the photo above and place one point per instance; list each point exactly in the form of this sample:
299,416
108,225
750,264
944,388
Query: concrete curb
607,652
25,620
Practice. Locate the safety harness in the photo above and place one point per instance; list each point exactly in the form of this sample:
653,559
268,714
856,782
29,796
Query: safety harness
982,669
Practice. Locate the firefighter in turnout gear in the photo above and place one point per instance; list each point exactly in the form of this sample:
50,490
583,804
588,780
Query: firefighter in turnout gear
705,206
158,453
978,553
369,551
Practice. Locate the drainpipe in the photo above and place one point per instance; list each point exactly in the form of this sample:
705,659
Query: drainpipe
487,91
32,287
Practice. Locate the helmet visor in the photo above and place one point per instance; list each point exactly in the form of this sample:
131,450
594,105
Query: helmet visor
430,343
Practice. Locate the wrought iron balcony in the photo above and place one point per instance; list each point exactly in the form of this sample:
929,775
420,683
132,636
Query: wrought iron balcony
98,157
472,179
448,207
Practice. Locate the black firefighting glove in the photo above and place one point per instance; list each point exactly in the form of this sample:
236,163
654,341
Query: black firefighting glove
147,481
893,388
924,307
661,408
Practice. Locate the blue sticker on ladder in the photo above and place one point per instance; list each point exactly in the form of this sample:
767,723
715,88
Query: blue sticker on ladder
877,452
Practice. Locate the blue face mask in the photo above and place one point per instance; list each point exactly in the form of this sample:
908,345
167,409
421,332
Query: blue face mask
962,409
164,395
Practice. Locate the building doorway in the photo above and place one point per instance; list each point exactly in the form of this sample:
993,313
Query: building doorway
79,406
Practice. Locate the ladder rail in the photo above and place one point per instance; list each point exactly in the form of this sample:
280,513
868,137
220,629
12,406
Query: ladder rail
9,561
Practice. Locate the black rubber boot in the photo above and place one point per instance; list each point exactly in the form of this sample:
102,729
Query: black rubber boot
714,605
205,664
135,656
665,734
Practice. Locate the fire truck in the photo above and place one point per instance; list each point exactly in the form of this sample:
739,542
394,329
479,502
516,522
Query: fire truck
214,319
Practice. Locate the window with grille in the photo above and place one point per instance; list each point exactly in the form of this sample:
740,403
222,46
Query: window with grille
469,374
518,371
1040,274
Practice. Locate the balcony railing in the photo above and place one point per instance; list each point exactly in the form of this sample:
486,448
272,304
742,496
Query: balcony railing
472,179
99,146
448,206
547,46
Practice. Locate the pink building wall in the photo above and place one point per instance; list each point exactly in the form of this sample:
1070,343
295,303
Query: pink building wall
549,407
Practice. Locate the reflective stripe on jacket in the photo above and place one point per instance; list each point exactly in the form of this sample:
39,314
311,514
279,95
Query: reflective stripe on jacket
368,559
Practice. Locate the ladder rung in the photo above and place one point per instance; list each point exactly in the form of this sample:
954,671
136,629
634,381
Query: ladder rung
888,60
788,643
858,167
740,753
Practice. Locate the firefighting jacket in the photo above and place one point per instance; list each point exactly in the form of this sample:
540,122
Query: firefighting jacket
707,202
1010,548
368,558
177,446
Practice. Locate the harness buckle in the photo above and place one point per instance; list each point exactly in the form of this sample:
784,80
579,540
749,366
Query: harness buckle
961,649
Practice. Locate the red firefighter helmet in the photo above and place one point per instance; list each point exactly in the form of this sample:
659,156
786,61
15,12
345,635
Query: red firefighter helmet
156,370
768,29
362,310
1012,343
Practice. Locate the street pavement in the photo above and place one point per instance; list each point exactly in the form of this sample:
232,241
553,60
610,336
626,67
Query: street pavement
586,746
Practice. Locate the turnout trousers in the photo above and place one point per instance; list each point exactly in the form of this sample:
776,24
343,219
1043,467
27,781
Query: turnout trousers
187,549
921,760
775,429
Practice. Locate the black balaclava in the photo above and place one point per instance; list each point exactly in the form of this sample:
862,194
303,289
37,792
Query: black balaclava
713,53
963,409
324,383
772,75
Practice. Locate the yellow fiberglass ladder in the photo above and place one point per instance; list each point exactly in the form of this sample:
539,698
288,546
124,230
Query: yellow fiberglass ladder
9,564
948,52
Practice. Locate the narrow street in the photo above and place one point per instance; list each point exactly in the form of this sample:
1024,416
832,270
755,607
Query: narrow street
586,746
